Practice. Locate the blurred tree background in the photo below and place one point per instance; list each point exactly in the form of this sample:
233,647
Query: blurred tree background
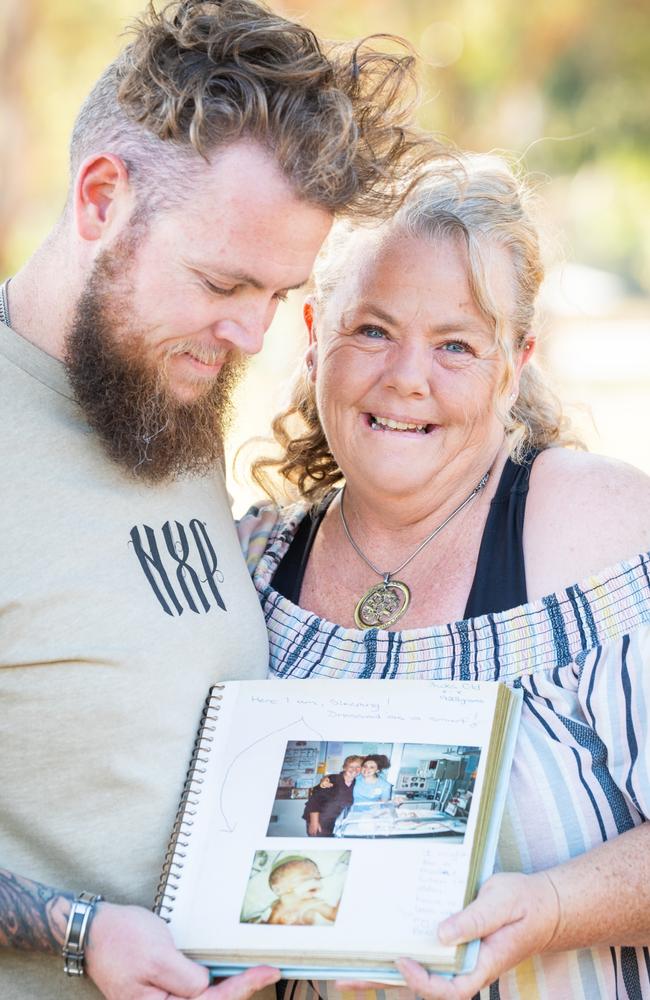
562,85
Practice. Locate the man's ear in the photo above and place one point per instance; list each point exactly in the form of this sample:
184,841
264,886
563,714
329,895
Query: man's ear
102,195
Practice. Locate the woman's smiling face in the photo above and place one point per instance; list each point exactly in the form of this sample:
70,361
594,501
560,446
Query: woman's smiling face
369,770
406,367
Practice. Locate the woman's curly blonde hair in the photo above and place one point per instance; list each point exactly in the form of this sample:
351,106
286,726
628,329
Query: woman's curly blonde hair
201,74
480,201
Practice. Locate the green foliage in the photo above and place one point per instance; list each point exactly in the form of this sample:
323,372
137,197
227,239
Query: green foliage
564,82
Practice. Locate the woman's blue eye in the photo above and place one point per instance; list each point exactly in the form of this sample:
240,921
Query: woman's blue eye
456,347
374,332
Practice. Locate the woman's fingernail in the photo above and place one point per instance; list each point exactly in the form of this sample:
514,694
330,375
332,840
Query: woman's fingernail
447,934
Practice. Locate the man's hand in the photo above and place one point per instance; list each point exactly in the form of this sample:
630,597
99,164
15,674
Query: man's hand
514,915
130,955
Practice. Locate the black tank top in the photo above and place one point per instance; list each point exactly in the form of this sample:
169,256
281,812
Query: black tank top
500,577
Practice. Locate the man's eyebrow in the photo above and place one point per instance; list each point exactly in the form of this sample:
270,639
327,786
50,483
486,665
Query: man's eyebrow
294,288
243,278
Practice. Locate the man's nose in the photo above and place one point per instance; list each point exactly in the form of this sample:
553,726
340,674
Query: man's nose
245,327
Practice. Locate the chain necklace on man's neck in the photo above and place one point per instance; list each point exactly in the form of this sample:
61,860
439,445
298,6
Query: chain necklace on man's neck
4,303
385,603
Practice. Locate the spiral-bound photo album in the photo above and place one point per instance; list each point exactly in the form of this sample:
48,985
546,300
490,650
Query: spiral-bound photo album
327,827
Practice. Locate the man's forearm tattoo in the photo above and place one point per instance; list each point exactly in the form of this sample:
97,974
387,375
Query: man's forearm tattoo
33,916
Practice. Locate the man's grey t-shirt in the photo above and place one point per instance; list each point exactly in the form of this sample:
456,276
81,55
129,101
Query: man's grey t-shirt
120,604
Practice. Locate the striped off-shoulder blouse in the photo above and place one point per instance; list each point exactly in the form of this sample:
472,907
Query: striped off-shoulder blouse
581,773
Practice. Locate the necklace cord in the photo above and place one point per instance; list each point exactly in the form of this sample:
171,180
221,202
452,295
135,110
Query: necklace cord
387,576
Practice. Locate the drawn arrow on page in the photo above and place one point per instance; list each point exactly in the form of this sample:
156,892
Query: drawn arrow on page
229,827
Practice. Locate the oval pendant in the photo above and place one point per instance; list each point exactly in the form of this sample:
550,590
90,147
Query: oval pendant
382,605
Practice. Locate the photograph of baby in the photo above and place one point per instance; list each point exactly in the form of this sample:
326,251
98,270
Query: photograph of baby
295,889
372,789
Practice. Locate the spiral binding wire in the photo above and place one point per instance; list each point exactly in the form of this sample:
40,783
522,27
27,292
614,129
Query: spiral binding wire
183,823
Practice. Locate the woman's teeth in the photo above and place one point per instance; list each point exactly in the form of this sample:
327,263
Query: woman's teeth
396,425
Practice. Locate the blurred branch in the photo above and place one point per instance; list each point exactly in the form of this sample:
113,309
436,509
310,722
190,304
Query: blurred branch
16,31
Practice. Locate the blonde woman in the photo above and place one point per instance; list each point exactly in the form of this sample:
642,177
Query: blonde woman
446,530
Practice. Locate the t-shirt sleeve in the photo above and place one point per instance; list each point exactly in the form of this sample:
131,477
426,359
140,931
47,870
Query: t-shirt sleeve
614,689
254,529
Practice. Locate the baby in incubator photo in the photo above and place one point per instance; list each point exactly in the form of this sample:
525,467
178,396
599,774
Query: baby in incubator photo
297,884
295,889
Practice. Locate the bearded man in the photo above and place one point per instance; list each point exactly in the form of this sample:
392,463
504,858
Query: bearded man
206,167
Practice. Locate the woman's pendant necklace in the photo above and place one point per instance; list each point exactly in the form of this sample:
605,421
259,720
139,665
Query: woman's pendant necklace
386,602
383,604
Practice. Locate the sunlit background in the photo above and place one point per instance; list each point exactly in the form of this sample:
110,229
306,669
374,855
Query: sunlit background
564,84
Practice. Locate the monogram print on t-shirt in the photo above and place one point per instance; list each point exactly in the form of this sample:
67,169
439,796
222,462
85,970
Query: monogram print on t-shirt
181,566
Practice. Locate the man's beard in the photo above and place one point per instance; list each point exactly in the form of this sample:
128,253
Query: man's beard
126,397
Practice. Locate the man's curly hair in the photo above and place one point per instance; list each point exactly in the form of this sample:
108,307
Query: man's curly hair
201,74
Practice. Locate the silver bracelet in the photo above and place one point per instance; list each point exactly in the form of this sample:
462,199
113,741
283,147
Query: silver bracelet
81,913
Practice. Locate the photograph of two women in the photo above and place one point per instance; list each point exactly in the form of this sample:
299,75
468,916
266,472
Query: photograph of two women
351,789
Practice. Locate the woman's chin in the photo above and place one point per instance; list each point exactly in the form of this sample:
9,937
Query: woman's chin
390,486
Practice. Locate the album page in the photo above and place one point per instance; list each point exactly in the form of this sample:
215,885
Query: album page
329,826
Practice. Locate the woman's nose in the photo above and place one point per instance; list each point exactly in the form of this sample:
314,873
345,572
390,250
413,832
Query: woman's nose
408,370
